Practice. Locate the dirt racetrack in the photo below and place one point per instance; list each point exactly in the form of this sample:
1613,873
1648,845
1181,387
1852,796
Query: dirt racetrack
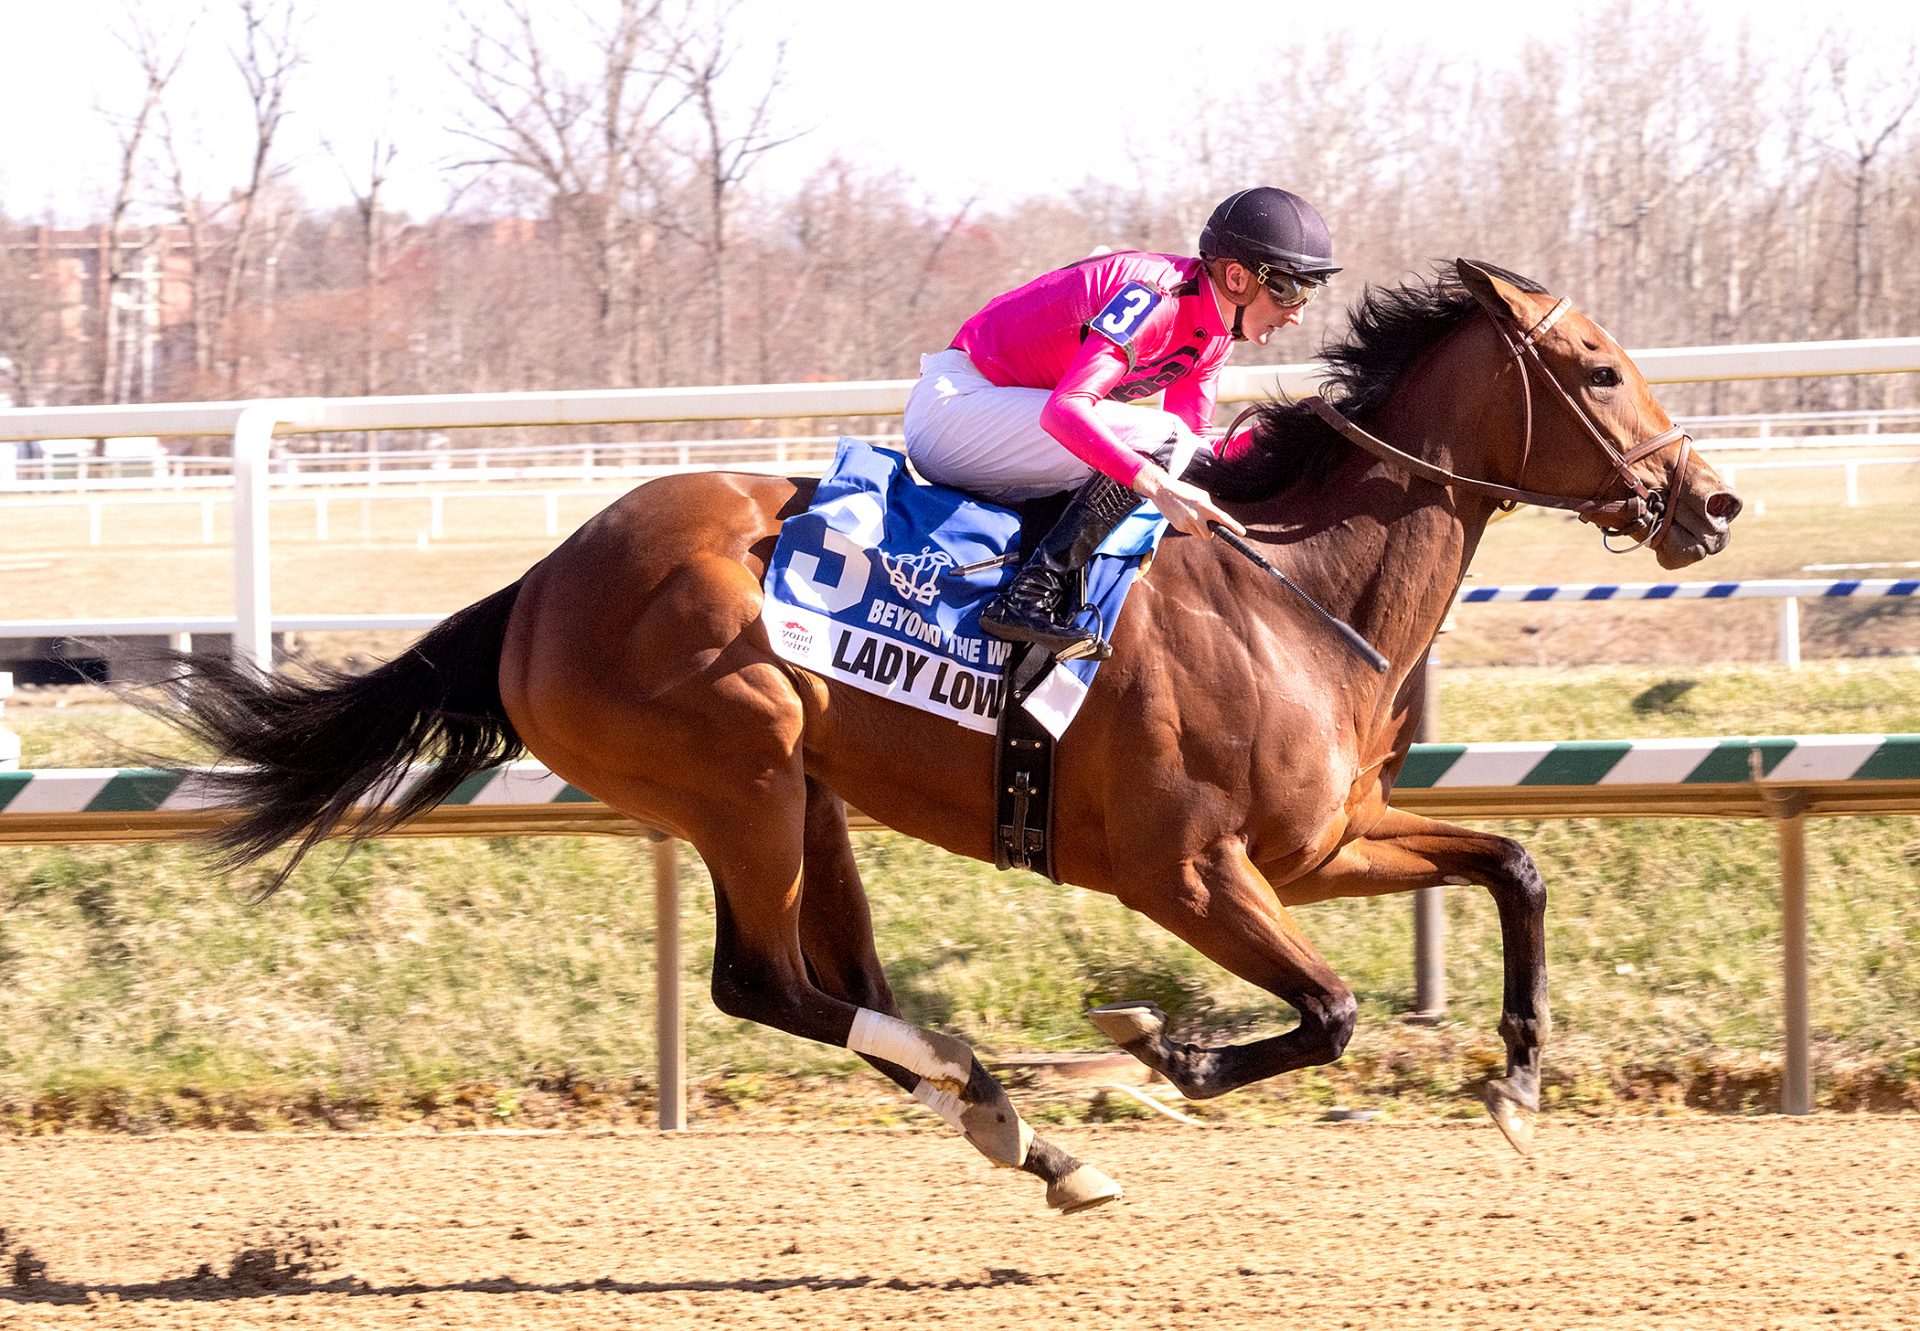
1727,1224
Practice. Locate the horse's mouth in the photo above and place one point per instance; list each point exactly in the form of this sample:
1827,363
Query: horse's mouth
1684,544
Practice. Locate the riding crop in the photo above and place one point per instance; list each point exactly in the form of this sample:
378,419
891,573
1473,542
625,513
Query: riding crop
1359,644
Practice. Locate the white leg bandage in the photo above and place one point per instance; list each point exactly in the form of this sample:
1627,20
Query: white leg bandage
944,1103
938,1058
1004,1140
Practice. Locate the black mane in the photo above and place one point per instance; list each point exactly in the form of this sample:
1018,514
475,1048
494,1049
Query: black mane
1389,328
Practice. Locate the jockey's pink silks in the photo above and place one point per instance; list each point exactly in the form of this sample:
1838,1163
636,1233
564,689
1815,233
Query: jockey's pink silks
1037,388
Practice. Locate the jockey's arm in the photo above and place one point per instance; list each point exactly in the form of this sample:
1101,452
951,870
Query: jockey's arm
1072,417
1192,398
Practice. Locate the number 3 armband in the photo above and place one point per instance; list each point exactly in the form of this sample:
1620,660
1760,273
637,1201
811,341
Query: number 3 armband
1121,318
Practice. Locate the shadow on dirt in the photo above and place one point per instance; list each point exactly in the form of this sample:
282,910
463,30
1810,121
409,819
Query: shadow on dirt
283,1264
195,1289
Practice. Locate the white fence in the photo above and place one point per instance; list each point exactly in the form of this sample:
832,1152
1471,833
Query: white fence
80,476
253,425
375,468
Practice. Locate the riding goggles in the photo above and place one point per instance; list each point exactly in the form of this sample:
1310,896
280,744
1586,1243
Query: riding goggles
1289,289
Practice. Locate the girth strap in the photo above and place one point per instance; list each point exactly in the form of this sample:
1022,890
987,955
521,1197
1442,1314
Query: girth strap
1023,770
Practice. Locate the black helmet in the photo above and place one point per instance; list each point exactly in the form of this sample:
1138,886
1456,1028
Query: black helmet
1270,230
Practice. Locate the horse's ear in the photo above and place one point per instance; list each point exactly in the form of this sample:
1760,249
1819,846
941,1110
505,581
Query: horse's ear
1489,290
1496,293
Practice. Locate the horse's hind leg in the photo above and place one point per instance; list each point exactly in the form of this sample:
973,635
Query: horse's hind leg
836,940
750,830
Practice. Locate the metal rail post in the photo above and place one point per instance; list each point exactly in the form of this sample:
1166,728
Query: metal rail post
1429,907
1789,808
670,1026
252,560
1796,1077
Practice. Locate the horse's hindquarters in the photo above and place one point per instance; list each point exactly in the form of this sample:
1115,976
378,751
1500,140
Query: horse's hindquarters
634,664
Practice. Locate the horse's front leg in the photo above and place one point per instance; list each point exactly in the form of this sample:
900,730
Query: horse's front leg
1402,852
1222,906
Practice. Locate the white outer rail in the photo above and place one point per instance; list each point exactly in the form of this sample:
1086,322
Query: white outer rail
252,424
881,397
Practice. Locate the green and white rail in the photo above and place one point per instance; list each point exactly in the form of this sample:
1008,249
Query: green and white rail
1741,777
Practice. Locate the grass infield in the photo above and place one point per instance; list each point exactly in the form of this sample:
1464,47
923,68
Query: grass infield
382,554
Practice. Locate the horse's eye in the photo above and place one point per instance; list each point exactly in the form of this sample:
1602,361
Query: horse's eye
1604,376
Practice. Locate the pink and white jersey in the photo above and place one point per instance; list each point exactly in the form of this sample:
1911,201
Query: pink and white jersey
1119,326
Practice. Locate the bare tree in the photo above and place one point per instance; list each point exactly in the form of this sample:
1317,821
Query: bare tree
366,187
233,245
724,147
195,220
591,145
1871,118
159,58
267,59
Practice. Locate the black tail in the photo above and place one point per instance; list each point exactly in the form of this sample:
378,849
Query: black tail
299,755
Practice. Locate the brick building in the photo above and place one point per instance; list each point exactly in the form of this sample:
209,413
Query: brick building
93,320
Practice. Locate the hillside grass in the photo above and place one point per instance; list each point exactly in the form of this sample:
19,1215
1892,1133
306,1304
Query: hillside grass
510,981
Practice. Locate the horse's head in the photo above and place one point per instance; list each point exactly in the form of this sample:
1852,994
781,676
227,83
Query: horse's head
1590,428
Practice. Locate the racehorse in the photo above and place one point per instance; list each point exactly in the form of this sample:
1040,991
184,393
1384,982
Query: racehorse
1233,760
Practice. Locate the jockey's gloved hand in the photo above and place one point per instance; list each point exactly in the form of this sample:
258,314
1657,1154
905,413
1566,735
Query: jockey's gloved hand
1185,505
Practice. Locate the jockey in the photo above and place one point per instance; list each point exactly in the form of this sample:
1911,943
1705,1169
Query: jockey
1035,394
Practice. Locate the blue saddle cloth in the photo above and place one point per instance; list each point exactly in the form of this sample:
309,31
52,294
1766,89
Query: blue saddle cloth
880,584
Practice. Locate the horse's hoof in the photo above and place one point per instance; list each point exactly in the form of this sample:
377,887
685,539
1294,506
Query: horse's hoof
1081,1190
1510,1114
1129,1024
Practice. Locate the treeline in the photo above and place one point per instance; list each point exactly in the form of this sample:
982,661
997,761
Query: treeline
614,230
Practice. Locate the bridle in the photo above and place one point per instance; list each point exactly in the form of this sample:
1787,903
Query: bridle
1644,509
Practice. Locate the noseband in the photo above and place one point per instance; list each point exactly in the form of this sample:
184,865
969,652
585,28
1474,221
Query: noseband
1645,509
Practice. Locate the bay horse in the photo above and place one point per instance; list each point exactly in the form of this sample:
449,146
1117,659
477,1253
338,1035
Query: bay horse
1234,760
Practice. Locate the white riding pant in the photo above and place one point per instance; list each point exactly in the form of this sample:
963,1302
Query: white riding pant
965,431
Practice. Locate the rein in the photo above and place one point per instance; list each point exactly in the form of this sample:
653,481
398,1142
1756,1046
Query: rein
1644,507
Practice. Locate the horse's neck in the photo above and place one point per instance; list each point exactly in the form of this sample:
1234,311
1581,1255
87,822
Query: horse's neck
1397,564
1385,552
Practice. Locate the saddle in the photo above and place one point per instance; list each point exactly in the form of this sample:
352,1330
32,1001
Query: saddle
878,586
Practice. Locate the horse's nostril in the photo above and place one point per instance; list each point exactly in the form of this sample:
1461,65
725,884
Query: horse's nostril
1725,505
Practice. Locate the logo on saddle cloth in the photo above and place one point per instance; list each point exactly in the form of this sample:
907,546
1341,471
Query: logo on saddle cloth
914,636
917,577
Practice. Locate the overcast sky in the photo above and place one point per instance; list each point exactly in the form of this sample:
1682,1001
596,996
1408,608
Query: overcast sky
966,99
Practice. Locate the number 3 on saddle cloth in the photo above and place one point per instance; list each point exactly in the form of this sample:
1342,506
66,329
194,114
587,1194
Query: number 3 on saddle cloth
880,584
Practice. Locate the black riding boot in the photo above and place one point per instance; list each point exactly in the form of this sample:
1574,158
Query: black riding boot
1029,609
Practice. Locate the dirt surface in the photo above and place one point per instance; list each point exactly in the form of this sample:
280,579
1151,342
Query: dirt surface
1696,1223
